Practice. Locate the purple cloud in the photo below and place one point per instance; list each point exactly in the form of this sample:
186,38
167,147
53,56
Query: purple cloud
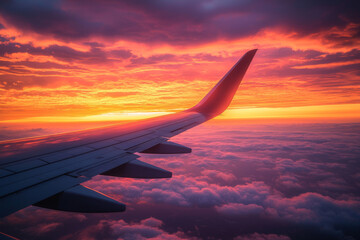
149,228
180,22
236,209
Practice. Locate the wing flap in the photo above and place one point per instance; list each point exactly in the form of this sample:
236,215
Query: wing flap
138,169
82,199
145,145
101,167
167,148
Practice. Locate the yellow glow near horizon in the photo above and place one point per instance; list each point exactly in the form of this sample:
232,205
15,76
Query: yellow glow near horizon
340,111
320,111
113,116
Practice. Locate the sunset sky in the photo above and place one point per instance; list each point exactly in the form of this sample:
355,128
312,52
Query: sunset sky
109,60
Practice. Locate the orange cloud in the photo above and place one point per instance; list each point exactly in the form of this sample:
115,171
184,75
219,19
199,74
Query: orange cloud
49,70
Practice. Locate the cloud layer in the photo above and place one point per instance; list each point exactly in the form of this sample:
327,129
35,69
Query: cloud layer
241,181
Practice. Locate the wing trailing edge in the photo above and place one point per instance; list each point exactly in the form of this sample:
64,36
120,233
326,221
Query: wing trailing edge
219,98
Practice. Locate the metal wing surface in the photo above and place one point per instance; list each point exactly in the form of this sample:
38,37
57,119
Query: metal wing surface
48,171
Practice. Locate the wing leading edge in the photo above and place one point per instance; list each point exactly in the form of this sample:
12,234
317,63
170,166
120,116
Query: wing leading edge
47,171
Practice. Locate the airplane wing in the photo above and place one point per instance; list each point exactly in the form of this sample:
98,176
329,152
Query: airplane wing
48,171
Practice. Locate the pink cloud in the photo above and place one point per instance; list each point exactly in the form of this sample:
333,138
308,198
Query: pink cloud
218,175
44,228
149,228
239,209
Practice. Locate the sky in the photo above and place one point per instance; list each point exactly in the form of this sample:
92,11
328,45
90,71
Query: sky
281,163
114,60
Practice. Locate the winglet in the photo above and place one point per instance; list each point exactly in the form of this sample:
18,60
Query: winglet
219,98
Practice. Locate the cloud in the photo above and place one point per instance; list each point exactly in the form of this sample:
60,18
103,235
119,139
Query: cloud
180,22
237,209
17,82
289,181
152,222
185,191
7,133
258,236
44,228
149,228
248,199
217,175
113,94
96,55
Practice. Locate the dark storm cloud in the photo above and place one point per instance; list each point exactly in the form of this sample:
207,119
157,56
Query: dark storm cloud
180,22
